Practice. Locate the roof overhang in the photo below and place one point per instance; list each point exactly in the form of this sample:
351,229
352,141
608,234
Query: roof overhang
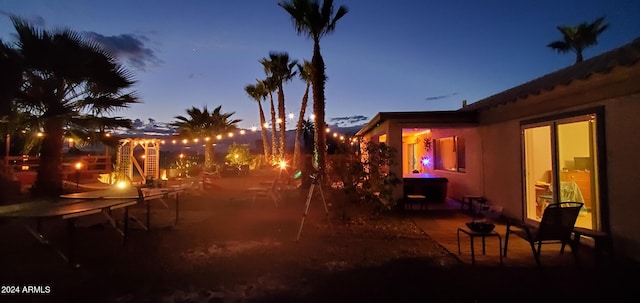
430,118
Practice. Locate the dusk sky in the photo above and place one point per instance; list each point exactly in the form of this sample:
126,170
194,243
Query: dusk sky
383,56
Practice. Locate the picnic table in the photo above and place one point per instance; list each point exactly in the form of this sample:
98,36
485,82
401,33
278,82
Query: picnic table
69,211
141,194
76,205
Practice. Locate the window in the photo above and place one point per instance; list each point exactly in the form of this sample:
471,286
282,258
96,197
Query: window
449,154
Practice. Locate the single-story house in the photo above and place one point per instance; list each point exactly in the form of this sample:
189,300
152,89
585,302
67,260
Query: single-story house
567,136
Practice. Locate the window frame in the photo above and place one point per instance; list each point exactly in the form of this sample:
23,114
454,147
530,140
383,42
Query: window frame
459,154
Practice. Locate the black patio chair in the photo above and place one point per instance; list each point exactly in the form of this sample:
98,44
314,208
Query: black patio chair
556,226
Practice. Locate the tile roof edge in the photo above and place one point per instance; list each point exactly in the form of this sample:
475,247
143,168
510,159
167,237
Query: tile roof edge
626,55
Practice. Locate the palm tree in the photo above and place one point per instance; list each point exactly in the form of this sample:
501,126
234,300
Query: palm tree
66,78
10,78
315,21
304,72
308,140
577,38
280,70
10,82
270,87
207,125
258,92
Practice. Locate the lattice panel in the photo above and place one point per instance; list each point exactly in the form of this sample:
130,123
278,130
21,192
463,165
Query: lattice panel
151,160
123,167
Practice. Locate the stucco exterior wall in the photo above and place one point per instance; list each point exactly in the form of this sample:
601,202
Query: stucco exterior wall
623,171
502,169
394,140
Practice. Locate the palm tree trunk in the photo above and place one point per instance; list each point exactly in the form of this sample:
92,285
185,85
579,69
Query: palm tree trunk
209,156
274,143
265,139
579,57
283,122
49,179
297,163
318,80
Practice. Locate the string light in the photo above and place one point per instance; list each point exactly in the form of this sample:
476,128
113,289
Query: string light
186,141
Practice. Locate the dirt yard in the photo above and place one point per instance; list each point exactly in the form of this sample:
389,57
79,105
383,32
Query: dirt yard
225,245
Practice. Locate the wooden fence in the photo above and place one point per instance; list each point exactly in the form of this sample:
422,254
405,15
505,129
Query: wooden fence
83,167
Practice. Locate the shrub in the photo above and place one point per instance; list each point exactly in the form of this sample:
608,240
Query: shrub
365,175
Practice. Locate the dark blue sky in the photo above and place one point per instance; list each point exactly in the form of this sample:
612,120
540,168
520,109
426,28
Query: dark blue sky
383,56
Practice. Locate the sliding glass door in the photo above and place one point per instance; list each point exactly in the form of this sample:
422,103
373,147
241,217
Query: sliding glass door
560,164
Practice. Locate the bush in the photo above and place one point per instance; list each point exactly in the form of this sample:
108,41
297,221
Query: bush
238,155
366,176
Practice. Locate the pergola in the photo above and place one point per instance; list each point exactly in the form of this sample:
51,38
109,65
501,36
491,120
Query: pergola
129,157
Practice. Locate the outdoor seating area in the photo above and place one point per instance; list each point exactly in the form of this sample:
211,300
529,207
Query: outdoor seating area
556,226
444,221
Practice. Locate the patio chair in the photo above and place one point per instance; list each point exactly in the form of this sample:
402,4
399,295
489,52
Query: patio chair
414,194
270,191
556,226
267,190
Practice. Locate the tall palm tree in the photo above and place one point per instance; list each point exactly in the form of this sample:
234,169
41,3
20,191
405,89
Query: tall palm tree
280,70
308,149
577,38
270,87
304,72
207,125
66,77
258,93
315,21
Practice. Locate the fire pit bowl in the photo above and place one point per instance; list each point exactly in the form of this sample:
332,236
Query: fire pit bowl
481,227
